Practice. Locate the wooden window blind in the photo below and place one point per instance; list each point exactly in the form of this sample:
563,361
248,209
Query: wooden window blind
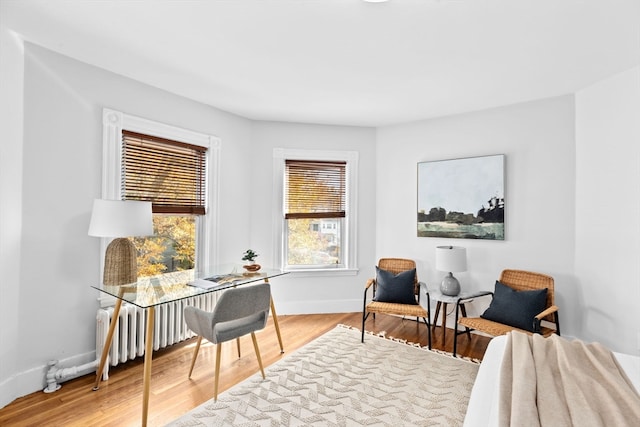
315,189
170,174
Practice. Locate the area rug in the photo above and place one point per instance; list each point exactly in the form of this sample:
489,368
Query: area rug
336,380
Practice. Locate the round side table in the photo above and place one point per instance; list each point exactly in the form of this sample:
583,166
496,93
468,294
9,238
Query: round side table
442,302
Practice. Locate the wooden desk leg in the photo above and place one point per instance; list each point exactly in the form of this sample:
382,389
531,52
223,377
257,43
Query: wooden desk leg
107,342
444,322
148,353
275,321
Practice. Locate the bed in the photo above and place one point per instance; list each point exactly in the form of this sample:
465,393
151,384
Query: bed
483,409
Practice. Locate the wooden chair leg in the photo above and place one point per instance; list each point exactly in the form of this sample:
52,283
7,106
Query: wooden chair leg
215,388
195,355
238,344
255,346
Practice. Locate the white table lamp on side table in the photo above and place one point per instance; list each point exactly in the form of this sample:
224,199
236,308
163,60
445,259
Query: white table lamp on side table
452,259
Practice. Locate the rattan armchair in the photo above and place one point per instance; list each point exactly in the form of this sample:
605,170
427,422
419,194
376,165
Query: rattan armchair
395,266
518,280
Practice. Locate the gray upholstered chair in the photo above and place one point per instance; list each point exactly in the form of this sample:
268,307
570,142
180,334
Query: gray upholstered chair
239,311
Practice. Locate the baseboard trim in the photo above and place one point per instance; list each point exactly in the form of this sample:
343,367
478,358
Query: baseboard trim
318,307
35,379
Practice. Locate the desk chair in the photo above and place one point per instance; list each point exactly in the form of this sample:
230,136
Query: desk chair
238,312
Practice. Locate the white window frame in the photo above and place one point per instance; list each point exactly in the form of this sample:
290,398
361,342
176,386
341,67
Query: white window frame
207,226
349,233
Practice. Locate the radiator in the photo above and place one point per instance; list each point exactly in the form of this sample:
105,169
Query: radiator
129,335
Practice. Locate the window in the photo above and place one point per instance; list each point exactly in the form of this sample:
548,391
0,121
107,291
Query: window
315,195
171,175
315,216
176,169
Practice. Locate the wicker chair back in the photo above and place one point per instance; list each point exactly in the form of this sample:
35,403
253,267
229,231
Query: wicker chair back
528,281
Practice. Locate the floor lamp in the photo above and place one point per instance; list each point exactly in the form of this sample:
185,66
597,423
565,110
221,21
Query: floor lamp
120,219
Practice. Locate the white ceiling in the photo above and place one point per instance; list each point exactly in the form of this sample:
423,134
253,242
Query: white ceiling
343,61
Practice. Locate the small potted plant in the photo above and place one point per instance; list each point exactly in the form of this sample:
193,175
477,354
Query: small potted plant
250,256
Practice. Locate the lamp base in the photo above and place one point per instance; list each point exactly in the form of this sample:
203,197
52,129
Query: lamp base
450,286
120,263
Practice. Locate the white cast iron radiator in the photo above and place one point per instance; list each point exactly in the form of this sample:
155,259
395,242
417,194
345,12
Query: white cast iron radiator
129,336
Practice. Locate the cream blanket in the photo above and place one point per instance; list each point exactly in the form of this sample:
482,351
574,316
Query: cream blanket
556,382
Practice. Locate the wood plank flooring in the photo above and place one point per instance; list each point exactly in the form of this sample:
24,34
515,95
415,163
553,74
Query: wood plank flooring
119,400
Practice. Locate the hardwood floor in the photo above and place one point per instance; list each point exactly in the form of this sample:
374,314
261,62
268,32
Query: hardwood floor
118,402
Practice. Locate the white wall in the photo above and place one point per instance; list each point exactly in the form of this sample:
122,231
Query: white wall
608,210
298,293
537,139
63,102
54,261
11,103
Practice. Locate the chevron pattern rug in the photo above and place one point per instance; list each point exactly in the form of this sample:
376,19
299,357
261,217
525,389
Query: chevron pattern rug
337,381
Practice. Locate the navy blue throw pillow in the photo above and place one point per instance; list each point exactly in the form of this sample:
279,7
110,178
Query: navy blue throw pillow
396,288
515,308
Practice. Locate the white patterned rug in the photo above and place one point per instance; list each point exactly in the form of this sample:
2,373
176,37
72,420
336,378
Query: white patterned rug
337,381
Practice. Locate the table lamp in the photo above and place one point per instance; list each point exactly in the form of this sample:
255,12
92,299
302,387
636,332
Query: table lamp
452,259
120,219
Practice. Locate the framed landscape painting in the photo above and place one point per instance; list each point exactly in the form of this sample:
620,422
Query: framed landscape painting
462,198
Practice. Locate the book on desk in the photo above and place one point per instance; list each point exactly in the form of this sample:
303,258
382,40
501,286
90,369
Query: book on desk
213,281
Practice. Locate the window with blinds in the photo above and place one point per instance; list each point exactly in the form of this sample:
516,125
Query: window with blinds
170,174
315,209
315,189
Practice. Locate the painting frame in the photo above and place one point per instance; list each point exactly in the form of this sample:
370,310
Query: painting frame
462,198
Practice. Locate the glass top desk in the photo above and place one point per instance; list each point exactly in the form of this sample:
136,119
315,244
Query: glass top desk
150,292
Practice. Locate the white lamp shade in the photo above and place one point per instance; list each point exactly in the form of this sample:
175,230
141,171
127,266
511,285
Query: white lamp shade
451,258
120,218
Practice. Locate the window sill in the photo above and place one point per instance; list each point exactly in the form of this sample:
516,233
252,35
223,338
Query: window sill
318,272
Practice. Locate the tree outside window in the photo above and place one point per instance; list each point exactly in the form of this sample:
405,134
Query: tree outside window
171,248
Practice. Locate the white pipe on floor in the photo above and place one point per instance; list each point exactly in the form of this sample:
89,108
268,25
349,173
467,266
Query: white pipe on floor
55,374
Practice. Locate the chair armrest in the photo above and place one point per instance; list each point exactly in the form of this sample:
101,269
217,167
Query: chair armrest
538,318
473,296
369,283
547,312
366,288
421,286
461,301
